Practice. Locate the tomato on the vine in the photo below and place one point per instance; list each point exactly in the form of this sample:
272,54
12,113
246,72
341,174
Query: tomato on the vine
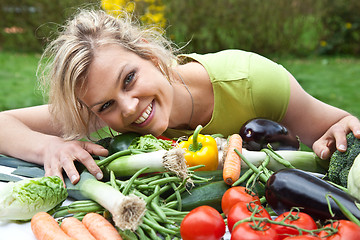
248,230
202,223
346,230
234,195
242,210
299,219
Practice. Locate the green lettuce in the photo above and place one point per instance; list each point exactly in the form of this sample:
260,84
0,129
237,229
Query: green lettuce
150,143
23,199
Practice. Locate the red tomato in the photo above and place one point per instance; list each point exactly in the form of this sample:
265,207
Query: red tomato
302,237
243,210
347,230
234,195
246,231
202,223
300,219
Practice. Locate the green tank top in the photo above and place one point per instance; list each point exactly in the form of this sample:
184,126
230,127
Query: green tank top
245,85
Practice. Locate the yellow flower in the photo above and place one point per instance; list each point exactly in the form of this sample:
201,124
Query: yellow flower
348,25
323,43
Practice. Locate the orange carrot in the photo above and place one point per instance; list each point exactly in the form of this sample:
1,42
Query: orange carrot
232,162
76,229
100,228
45,227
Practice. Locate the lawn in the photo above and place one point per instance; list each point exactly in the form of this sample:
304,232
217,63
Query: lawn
334,80
18,81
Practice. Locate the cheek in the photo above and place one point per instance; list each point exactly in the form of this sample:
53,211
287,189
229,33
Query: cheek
113,121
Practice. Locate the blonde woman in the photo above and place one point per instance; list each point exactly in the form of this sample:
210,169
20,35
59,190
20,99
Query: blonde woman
102,71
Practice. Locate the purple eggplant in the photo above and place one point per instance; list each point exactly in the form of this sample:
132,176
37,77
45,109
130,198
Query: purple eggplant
289,188
258,133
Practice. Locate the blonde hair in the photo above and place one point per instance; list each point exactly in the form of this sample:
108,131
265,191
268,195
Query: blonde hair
65,62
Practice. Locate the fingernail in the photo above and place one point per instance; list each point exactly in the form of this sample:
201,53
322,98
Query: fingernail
342,147
73,178
99,176
357,132
322,154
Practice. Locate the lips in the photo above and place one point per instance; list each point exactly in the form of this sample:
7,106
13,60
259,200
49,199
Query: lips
146,115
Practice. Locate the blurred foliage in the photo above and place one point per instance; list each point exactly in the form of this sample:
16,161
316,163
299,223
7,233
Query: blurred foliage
26,25
268,27
341,24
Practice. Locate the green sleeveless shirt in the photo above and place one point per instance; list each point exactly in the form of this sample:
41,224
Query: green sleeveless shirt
246,86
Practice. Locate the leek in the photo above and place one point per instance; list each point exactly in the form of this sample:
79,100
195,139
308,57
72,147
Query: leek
158,161
127,211
304,160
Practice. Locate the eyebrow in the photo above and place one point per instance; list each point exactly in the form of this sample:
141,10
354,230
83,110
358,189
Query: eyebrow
117,82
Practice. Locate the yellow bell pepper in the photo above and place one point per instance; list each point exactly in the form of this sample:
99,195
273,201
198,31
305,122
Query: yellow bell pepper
201,150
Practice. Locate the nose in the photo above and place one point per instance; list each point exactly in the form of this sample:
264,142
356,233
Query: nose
127,105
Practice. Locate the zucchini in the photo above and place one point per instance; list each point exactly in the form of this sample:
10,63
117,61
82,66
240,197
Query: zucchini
289,188
208,194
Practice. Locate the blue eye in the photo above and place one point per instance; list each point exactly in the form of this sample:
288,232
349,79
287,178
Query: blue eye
129,78
106,106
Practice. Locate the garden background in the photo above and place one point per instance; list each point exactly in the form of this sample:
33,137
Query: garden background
317,41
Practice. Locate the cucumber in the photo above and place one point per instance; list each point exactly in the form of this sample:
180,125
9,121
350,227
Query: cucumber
208,194
213,176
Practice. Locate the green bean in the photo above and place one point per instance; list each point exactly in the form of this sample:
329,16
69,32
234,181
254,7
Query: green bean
252,166
145,180
165,180
171,204
71,209
161,191
195,167
177,193
145,187
139,234
174,195
150,231
154,205
194,176
112,157
113,181
243,177
154,225
130,182
277,157
158,219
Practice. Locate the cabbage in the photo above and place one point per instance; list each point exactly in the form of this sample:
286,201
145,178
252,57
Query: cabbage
23,199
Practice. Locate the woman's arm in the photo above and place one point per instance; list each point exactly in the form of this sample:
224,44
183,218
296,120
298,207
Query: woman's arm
319,125
29,134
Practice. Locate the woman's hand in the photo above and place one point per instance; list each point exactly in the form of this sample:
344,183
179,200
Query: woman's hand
60,155
335,137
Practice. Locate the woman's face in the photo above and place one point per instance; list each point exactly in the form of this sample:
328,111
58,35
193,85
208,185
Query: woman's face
127,92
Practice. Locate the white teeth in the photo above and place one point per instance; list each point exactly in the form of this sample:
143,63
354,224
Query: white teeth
144,115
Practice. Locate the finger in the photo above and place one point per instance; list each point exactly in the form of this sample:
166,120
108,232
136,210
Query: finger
54,171
340,138
354,125
95,149
86,159
323,148
67,162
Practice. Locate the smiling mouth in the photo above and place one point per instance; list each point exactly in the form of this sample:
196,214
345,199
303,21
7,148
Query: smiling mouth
145,115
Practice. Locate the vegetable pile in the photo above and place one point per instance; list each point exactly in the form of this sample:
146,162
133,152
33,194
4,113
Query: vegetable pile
158,188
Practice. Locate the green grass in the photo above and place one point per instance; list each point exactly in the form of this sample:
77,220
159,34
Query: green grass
18,80
334,80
